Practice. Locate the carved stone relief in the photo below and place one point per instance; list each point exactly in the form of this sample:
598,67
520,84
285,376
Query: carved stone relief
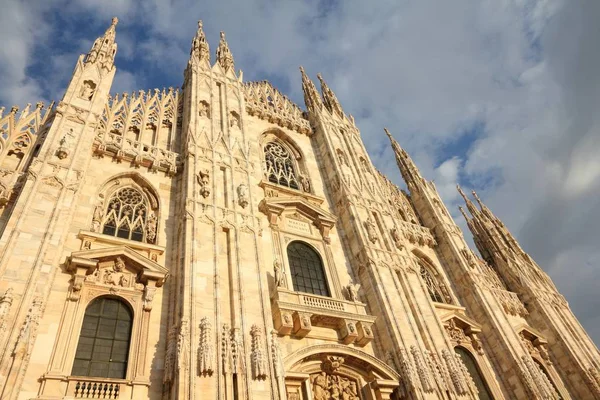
258,357
326,386
87,90
242,192
371,230
5,303
204,182
206,349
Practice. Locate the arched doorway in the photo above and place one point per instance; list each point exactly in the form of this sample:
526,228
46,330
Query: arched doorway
473,368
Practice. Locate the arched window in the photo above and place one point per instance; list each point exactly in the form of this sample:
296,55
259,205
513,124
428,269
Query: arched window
436,291
126,215
103,345
279,166
471,364
306,269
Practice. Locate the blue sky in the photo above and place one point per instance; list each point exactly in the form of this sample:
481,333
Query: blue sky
498,95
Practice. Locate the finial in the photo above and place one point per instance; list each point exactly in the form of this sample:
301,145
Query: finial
14,109
329,98
114,21
387,132
224,56
39,104
464,213
200,49
312,99
464,196
477,198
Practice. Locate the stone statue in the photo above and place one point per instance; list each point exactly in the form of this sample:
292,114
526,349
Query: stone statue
203,109
234,121
279,273
204,180
305,182
97,218
242,191
183,347
320,386
352,289
151,228
371,232
87,90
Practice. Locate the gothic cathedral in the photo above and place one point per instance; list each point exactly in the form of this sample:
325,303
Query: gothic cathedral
219,242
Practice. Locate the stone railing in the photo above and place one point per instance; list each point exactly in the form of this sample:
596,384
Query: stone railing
295,313
417,234
94,389
141,154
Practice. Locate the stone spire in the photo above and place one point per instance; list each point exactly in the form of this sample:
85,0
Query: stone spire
105,48
224,56
329,98
408,169
312,98
470,206
200,51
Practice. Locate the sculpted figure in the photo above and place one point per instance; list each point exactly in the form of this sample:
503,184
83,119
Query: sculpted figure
371,233
305,183
151,228
352,289
279,273
242,191
87,90
203,181
97,218
320,387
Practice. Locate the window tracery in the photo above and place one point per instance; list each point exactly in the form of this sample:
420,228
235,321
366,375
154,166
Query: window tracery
279,166
437,291
127,216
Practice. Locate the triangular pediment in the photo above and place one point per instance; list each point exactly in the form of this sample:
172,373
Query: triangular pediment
462,321
300,205
530,333
143,267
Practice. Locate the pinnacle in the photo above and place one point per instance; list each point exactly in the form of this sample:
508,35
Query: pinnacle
224,56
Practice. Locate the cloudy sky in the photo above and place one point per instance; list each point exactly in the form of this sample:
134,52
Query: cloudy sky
498,95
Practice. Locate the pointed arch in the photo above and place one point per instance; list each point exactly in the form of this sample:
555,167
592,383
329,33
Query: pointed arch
470,362
128,208
283,161
433,281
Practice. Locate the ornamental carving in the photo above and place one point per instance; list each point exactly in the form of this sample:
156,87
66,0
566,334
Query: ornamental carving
371,230
242,192
171,354
258,357
203,178
206,349
352,290
5,303
422,370
333,387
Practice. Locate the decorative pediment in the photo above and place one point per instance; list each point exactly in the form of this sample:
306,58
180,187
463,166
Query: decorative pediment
145,269
115,269
298,208
462,330
533,341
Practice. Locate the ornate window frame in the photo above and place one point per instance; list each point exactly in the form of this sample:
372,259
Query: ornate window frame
296,157
112,188
116,272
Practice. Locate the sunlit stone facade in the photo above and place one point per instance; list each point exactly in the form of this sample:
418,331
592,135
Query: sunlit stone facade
219,242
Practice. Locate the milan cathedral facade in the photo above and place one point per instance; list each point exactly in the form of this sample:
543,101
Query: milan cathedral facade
218,242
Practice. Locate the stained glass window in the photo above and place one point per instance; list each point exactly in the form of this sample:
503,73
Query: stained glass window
126,215
279,166
306,269
433,286
103,345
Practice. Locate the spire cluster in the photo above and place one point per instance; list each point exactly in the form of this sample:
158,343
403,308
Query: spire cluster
104,49
200,50
312,99
490,234
329,99
408,169
224,56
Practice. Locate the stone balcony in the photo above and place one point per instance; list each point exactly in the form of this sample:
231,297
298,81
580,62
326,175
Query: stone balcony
295,313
